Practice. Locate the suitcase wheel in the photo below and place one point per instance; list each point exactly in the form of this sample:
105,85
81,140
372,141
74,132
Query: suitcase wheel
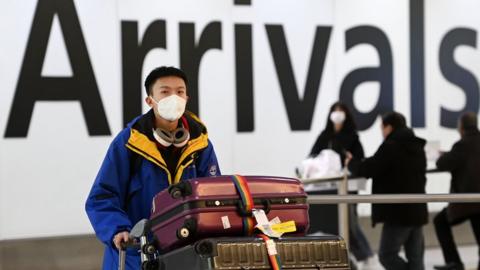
180,190
150,265
176,193
204,248
149,249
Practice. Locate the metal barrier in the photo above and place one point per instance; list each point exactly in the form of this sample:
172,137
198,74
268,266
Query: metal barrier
342,199
342,177
395,198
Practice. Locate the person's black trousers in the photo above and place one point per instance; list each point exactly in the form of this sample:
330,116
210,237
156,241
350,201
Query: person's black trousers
443,229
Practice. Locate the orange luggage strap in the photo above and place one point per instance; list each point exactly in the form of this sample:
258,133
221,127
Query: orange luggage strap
273,256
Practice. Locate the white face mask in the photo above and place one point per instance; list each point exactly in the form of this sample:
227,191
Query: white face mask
171,108
337,117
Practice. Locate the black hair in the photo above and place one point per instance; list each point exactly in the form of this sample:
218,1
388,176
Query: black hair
468,121
348,124
394,119
161,72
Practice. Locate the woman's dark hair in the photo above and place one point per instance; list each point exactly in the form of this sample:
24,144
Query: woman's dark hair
394,119
348,124
161,72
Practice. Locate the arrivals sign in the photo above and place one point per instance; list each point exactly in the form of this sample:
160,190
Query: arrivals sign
262,76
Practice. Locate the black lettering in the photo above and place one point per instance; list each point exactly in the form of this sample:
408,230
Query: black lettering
32,87
243,2
458,75
417,63
191,54
300,111
244,77
133,55
383,74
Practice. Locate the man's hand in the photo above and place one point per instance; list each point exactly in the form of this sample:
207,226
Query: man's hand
121,237
348,158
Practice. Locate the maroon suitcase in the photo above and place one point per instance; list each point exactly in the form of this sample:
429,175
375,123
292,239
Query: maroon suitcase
211,207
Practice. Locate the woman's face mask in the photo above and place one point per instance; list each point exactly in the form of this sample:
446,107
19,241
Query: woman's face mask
337,117
171,108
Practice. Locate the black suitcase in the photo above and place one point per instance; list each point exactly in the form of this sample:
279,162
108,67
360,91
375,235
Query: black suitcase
318,252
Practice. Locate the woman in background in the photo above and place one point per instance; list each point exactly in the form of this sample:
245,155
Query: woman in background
340,135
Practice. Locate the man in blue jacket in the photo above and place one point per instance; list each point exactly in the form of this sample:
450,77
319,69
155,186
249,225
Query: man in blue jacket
162,147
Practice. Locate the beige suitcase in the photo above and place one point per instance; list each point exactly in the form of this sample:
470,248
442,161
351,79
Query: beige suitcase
320,252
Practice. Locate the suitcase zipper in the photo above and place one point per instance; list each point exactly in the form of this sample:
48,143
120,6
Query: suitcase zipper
220,203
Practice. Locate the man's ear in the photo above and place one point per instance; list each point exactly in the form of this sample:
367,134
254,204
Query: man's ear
149,101
460,130
390,129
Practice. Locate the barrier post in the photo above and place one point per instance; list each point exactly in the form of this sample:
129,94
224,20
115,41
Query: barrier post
343,209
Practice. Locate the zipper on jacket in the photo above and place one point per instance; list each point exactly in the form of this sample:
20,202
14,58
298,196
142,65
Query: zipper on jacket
179,172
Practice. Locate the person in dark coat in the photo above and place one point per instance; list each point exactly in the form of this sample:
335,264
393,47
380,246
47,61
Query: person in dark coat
463,161
398,166
340,135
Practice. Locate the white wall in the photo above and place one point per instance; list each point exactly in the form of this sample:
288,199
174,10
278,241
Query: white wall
45,177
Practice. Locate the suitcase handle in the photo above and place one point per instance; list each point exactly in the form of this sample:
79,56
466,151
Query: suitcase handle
267,206
121,258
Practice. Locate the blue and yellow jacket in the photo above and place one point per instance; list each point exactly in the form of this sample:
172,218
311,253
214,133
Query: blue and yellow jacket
133,172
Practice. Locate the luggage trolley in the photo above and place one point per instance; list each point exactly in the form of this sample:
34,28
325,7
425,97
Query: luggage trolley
197,224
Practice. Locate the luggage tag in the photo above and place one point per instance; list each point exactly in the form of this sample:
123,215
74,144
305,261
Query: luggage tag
274,228
263,224
276,220
284,227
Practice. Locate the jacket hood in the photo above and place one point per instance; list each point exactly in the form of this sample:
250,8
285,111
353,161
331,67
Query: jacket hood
142,142
406,137
471,133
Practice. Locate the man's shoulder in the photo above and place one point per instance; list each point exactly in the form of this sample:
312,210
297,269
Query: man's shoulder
463,144
390,147
196,126
473,138
192,117
122,137
389,143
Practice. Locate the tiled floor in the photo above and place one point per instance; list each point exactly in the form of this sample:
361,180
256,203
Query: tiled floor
469,255
51,254
433,257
